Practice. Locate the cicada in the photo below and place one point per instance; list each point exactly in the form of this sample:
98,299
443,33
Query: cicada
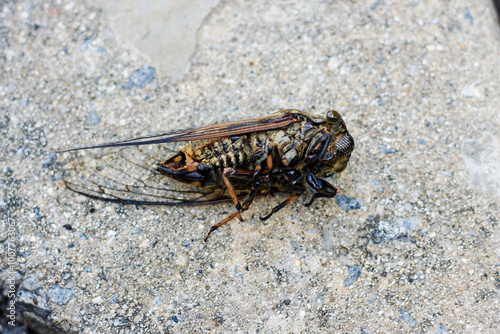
288,152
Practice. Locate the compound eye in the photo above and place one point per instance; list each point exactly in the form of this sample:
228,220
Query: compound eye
332,116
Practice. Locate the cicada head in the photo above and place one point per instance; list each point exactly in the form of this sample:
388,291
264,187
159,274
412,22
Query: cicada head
342,144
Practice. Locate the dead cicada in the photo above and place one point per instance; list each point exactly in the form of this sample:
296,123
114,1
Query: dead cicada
287,152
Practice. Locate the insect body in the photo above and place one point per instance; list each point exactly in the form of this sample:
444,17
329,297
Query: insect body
287,152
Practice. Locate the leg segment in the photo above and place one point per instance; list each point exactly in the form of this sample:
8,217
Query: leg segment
257,175
219,224
240,208
280,206
231,171
321,188
317,147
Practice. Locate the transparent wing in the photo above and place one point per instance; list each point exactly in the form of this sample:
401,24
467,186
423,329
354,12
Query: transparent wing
128,175
228,129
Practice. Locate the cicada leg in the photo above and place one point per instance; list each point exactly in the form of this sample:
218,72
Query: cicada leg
281,206
219,224
259,177
231,171
246,204
321,188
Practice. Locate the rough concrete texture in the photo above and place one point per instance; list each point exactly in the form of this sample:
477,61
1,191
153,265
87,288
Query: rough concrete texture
413,245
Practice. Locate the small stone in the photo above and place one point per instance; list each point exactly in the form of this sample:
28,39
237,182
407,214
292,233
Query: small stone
445,172
406,317
82,235
385,150
118,321
409,223
297,263
333,64
97,300
347,203
441,329
94,118
141,77
471,92
60,295
80,199
327,240
30,283
50,160
135,230
468,17
352,276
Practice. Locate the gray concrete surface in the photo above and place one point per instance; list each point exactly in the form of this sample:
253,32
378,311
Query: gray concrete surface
417,84
163,31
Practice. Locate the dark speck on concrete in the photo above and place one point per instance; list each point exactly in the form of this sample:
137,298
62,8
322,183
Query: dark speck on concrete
406,317
347,203
174,318
352,276
141,77
60,295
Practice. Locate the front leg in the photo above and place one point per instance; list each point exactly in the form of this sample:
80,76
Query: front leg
321,188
